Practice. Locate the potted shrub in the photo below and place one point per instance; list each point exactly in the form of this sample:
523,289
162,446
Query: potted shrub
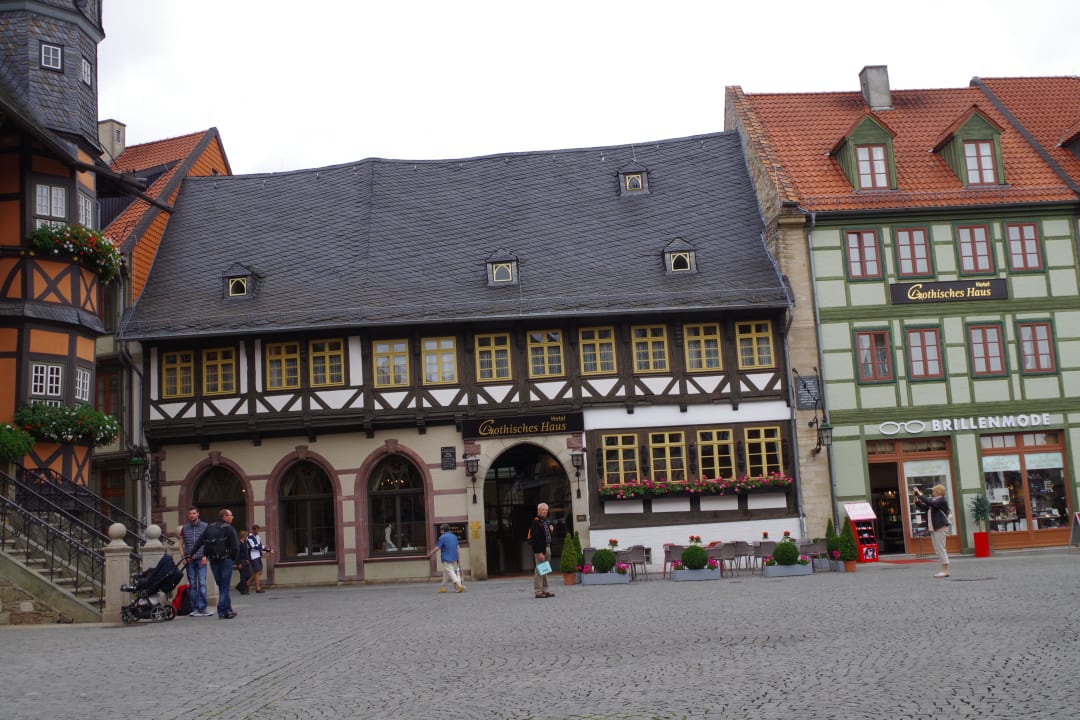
786,561
694,563
980,512
15,443
600,572
569,561
849,552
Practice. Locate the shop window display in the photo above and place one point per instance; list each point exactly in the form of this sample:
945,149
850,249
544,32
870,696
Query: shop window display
1026,488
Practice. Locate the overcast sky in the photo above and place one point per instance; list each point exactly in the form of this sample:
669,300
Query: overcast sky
305,84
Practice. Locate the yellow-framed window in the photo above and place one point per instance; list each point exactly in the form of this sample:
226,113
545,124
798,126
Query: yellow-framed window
667,456
439,356
763,451
650,348
326,362
545,353
493,357
597,350
177,374
703,347
391,363
716,453
219,371
620,458
755,343
282,366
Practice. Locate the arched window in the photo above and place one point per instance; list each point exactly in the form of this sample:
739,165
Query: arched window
307,514
220,488
396,502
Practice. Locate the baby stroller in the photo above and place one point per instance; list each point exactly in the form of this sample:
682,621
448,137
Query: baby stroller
149,586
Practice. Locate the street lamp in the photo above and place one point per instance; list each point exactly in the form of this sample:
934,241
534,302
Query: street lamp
577,457
472,464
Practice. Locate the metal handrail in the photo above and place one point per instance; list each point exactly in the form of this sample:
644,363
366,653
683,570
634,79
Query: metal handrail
86,500
61,552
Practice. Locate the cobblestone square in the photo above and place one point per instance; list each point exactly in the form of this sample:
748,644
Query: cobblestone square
998,639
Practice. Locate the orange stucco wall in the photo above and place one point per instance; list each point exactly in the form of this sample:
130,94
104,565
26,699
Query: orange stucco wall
9,173
46,342
8,265
49,166
84,349
10,232
7,390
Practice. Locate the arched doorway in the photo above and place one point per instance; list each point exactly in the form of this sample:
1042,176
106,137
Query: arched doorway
520,479
220,488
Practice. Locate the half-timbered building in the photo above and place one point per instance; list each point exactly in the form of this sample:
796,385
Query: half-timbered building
351,355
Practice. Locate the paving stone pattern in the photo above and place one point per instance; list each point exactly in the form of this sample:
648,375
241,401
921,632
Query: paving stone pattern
999,639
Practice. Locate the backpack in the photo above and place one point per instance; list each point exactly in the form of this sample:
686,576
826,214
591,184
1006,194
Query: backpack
182,602
215,542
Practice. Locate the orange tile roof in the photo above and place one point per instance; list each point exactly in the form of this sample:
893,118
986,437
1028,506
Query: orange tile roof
145,156
1048,107
159,152
794,133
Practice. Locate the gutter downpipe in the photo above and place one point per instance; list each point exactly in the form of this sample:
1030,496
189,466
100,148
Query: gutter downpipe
128,363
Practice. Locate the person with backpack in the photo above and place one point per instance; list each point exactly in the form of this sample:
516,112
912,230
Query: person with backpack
540,540
191,533
937,520
221,545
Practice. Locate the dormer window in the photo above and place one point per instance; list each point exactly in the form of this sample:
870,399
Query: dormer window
238,286
979,163
680,257
502,269
865,154
972,148
239,282
633,180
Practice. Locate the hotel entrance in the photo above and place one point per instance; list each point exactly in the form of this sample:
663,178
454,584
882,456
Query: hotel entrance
520,479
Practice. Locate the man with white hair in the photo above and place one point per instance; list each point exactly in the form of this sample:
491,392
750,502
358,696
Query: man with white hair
540,540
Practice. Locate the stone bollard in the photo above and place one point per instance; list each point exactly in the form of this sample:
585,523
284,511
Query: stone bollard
153,549
117,573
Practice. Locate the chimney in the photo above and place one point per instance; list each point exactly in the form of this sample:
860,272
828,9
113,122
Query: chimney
874,81
112,134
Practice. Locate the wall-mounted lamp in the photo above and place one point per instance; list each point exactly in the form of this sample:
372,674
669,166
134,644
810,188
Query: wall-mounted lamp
577,457
824,434
472,464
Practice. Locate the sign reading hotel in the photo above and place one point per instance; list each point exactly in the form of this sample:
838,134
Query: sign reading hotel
522,425
952,291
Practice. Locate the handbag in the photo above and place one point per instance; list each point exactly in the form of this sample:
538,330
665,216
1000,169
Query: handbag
544,568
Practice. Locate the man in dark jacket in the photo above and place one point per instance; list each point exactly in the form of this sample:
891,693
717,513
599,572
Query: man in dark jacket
540,540
221,560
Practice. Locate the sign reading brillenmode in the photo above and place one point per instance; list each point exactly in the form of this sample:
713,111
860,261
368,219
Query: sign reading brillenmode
951,291
522,425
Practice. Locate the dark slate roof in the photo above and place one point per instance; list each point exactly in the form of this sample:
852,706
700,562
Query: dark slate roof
392,242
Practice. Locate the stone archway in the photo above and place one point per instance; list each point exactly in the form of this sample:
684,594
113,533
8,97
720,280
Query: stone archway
518,480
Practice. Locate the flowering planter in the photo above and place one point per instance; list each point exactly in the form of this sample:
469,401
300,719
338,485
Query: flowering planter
688,575
569,578
836,566
671,504
608,578
788,570
719,502
619,507
822,564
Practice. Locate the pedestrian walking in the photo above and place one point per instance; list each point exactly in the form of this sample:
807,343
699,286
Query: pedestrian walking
447,547
191,533
256,550
937,520
540,540
222,547
243,564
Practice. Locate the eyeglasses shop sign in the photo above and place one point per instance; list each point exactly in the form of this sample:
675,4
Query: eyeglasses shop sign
980,422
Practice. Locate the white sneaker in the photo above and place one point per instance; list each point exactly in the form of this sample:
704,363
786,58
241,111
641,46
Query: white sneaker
941,574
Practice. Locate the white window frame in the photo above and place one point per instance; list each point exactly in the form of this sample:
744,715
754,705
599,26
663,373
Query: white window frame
86,210
50,204
82,385
87,73
47,383
52,56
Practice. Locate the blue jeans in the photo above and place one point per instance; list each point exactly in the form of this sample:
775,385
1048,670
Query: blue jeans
222,570
196,575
